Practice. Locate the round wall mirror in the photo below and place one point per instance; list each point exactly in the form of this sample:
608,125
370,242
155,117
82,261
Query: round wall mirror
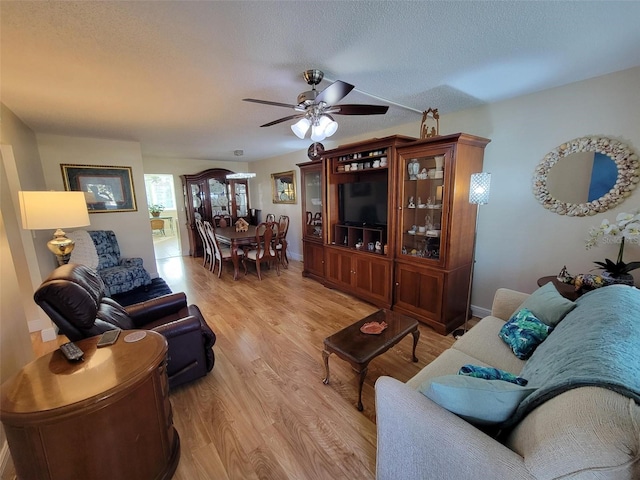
586,176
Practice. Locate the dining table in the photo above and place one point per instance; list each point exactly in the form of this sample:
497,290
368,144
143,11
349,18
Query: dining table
230,236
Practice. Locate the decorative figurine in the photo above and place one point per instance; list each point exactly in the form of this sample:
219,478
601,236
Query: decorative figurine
242,225
378,247
411,204
425,132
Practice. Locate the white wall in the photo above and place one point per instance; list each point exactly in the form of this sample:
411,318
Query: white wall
132,229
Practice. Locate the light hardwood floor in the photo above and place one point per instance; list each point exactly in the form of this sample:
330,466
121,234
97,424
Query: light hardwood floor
263,412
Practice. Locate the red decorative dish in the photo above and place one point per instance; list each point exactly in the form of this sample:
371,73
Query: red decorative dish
373,328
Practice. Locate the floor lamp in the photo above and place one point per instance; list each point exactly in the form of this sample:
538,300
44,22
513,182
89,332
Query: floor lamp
478,195
54,211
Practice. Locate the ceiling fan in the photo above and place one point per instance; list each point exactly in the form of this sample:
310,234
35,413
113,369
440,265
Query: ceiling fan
315,109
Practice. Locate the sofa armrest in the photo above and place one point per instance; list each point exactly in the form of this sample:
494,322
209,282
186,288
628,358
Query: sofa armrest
131,262
506,302
150,310
418,440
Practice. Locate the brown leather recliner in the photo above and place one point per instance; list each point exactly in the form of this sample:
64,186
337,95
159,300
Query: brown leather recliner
74,298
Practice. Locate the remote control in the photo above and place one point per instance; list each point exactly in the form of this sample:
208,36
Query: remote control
71,351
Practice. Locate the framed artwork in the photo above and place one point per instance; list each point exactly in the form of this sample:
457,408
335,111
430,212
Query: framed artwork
106,189
283,187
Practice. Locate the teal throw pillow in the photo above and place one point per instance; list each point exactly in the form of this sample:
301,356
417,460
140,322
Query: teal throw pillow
479,401
490,373
548,305
523,333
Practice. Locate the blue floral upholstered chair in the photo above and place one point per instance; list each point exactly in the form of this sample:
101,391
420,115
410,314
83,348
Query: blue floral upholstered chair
118,274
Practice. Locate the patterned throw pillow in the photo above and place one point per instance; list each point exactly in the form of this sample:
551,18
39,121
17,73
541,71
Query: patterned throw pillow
524,332
490,373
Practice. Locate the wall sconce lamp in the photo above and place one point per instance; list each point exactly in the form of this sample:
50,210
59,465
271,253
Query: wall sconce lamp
54,210
479,190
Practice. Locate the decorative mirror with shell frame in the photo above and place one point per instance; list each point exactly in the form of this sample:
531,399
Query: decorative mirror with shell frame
569,179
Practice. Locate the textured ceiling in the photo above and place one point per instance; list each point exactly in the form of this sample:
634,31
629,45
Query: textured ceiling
172,74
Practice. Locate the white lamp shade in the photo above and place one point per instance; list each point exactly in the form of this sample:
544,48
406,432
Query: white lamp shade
300,127
480,188
53,210
317,133
328,126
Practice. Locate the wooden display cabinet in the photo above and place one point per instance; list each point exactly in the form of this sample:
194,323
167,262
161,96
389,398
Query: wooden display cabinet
435,228
365,172
312,199
210,193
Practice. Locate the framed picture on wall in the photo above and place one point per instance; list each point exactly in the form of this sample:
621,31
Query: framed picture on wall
283,187
106,189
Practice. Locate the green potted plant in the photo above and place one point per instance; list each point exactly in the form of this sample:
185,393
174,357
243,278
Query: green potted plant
626,228
156,209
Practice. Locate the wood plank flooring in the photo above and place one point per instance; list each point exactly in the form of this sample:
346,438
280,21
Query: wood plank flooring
263,412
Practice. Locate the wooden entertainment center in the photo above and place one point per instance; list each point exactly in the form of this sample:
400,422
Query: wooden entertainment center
417,260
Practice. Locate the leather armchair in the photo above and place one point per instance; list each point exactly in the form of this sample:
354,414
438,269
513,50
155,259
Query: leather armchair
74,298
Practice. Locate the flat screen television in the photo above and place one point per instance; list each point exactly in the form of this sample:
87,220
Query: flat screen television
363,203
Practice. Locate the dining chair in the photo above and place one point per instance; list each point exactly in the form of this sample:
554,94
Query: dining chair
220,253
207,249
270,218
280,243
263,250
222,221
157,224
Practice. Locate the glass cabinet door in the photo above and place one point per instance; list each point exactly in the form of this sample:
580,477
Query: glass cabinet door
241,198
218,197
196,195
312,181
422,191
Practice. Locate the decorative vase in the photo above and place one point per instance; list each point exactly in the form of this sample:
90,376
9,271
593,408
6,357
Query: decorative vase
413,168
622,279
439,162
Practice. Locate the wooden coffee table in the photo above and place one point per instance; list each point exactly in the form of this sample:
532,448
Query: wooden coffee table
358,348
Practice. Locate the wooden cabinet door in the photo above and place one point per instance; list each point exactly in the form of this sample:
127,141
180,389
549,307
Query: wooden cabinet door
371,279
313,259
419,291
338,268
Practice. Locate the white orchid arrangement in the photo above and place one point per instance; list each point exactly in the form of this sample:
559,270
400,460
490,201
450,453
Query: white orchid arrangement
626,229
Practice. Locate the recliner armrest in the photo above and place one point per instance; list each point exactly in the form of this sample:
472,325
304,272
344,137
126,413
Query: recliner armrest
145,312
178,327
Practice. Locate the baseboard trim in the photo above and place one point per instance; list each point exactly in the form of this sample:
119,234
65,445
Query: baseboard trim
480,312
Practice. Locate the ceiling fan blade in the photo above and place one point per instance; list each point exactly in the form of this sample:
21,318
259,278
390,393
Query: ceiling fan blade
334,92
267,102
355,109
280,120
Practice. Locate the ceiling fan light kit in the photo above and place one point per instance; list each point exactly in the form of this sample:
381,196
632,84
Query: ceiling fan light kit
315,108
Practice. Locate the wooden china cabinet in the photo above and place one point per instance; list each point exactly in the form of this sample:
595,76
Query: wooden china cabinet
435,228
312,180
210,193
397,227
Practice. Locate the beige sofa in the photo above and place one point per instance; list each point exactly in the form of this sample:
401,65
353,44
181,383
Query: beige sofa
583,433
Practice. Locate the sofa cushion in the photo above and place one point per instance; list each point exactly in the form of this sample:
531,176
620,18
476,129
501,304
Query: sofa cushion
482,342
477,400
548,305
447,363
524,332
